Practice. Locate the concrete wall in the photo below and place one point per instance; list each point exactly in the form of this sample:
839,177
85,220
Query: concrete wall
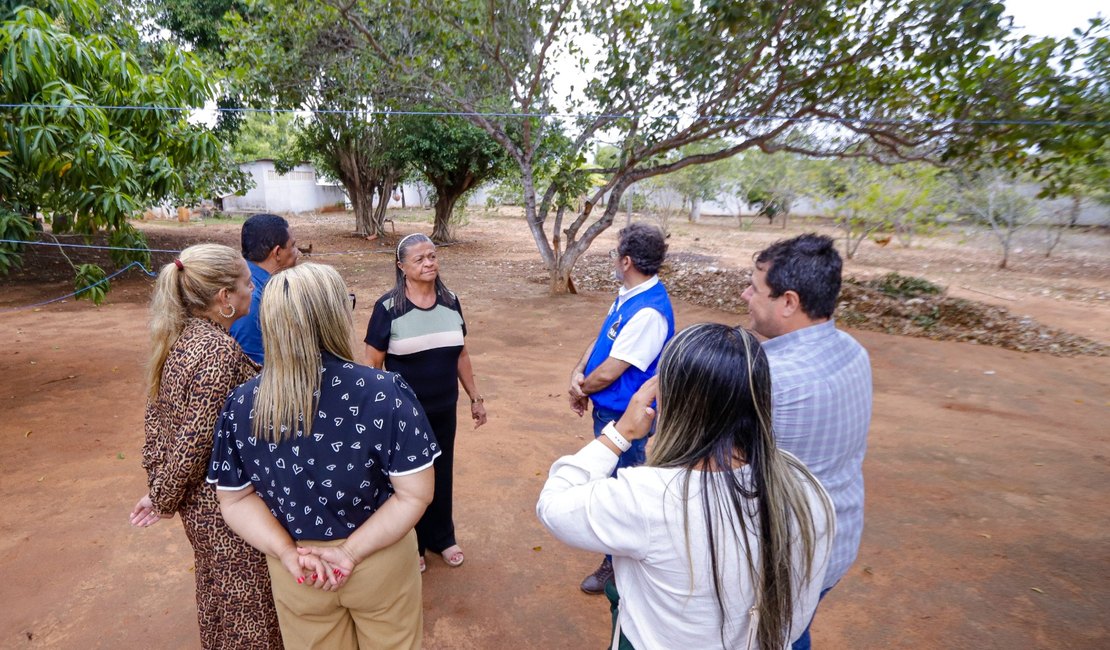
300,190
1090,214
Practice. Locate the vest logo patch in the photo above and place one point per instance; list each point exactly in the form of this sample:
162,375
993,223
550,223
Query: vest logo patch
614,328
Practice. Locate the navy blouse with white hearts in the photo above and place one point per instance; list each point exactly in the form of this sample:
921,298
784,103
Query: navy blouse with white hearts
369,426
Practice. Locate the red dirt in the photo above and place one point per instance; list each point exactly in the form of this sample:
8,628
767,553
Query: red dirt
986,474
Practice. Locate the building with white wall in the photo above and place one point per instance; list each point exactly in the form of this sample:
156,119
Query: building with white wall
299,190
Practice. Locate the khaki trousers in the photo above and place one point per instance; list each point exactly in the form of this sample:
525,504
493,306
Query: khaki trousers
379,606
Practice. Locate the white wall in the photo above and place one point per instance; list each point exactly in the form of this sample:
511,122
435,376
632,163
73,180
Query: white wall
1090,213
296,191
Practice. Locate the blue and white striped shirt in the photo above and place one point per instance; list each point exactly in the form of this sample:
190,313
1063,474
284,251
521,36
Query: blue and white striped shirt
821,392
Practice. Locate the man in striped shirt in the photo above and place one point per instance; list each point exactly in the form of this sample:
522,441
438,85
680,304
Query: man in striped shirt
820,377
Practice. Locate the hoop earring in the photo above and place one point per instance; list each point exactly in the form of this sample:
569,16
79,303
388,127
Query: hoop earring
230,306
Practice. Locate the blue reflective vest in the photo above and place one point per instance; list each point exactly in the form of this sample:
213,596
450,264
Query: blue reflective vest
616,395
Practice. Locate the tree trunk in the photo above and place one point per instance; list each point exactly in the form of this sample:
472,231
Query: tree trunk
444,208
534,219
385,189
1006,249
1052,239
364,218
560,278
61,222
359,181
848,250
695,210
561,267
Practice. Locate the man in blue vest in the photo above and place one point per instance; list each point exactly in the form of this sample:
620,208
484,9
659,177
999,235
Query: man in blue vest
269,247
626,352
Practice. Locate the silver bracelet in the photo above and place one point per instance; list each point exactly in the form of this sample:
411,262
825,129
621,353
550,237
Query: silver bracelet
614,436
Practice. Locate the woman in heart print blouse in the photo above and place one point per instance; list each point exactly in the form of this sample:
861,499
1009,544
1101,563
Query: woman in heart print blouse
341,455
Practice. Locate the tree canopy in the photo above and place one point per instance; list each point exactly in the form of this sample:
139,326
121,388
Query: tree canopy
72,149
453,156
894,80
263,135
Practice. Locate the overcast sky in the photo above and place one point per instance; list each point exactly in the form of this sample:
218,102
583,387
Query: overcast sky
1054,17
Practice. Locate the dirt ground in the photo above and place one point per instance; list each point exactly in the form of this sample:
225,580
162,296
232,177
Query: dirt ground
987,471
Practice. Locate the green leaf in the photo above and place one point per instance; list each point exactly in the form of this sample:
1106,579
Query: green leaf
91,283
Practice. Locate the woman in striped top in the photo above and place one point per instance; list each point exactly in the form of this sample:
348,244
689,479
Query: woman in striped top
417,329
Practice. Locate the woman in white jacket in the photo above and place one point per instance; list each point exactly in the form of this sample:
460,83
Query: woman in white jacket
721,539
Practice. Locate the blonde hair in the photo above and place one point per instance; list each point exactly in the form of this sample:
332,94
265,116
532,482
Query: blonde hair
714,410
305,311
187,287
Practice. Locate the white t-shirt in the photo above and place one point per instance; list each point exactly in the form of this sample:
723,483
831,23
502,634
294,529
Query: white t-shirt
642,338
637,517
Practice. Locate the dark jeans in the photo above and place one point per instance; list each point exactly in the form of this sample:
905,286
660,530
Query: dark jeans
636,455
436,528
803,641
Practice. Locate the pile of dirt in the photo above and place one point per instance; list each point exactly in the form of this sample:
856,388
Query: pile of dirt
892,304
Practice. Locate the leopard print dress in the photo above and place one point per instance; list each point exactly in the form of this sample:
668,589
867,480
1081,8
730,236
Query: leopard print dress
235,606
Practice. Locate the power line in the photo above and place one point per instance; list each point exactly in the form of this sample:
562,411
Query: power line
586,116
79,291
92,246
21,242
119,272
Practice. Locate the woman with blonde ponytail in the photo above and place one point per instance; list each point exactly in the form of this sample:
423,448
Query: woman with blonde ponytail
720,540
194,365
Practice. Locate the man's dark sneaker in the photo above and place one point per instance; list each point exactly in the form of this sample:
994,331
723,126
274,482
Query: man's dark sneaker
595,582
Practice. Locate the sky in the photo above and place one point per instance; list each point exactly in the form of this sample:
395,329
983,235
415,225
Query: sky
1054,17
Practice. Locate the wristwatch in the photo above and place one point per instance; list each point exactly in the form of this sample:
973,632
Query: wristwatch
610,432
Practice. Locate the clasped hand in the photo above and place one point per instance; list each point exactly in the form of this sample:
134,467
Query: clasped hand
579,401
326,568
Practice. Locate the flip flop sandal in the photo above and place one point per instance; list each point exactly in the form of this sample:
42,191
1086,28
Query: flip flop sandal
453,556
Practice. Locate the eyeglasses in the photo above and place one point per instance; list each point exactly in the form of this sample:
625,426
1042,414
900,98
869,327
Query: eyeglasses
351,297
614,254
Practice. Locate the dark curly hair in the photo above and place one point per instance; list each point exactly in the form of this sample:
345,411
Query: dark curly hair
645,244
807,265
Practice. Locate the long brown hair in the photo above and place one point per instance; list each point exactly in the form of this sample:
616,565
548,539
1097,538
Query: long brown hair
714,410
